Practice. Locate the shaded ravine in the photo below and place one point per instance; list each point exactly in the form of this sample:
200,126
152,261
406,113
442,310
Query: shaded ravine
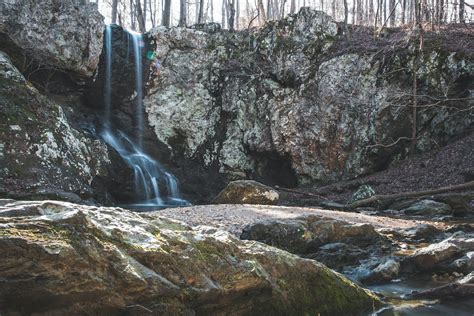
154,186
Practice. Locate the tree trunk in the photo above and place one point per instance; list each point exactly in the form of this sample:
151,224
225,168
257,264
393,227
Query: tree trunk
231,14
346,16
371,12
262,17
201,12
407,195
114,11
461,11
276,11
166,18
404,8
292,6
270,10
132,16
237,15
353,12
144,12
223,12
140,17
392,13
183,16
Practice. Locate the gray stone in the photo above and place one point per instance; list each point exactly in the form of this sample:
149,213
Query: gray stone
307,234
422,232
247,192
428,207
385,271
60,34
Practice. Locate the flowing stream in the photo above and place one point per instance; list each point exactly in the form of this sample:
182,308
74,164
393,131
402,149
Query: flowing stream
394,291
154,186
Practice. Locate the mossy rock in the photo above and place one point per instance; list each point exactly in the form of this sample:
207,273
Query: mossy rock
63,258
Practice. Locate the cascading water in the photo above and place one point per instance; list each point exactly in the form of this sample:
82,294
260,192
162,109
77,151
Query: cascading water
108,73
154,186
137,44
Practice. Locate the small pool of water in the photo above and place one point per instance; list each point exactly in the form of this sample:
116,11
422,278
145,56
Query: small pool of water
395,290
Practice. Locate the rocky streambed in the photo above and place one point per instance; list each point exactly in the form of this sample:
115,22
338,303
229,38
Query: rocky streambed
415,265
63,258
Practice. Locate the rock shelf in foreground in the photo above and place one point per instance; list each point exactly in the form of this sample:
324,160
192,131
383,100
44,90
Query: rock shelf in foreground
66,258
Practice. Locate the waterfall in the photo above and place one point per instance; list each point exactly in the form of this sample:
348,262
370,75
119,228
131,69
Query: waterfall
108,74
154,186
137,51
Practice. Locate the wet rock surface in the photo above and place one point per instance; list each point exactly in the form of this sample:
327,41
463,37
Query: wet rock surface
109,260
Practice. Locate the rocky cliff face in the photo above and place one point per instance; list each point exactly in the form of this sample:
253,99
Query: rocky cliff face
40,153
48,143
286,105
62,35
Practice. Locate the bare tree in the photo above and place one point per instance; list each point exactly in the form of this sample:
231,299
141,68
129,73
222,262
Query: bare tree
140,16
182,13
166,19
230,14
346,16
292,6
201,12
392,12
461,11
261,12
114,11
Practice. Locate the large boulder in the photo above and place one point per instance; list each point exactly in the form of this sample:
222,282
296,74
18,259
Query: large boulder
307,234
278,104
443,255
62,258
247,192
63,35
428,207
357,250
40,153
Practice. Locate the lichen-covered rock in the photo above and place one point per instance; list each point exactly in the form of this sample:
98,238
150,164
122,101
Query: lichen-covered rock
247,192
62,258
355,249
40,153
306,234
277,98
363,192
63,34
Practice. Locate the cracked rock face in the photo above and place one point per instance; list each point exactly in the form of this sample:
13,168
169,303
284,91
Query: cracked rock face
40,153
63,35
98,260
276,98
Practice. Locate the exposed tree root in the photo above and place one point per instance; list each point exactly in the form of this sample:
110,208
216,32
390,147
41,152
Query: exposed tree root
392,197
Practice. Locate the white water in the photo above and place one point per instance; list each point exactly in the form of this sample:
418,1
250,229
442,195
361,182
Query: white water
154,186
137,49
108,73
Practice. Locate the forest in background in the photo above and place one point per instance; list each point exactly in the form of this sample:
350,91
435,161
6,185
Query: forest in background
140,15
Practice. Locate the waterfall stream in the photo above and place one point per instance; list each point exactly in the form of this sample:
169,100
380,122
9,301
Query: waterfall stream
154,186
